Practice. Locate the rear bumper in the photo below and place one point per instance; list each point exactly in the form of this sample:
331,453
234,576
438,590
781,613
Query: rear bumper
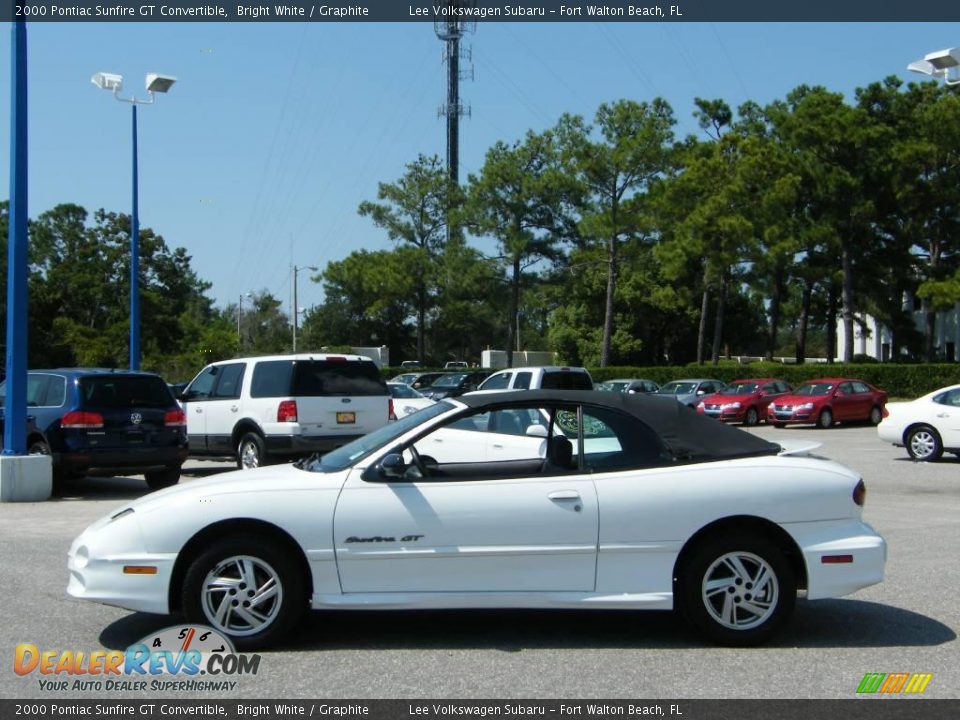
867,553
114,460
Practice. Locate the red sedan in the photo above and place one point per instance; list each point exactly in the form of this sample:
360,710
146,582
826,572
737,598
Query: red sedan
743,401
829,400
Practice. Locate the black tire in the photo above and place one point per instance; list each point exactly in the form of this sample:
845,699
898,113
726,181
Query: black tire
743,619
752,417
924,444
251,451
162,478
269,564
876,415
825,419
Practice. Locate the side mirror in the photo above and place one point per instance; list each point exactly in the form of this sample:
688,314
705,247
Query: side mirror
538,431
392,466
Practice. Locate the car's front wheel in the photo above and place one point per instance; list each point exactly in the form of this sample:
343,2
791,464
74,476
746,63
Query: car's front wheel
752,417
924,443
737,590
825,419
160,479
248,588
251,451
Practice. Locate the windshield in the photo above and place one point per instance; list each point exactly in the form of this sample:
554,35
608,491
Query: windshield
679,388
814,389
352,453
400,391
451,380
740,389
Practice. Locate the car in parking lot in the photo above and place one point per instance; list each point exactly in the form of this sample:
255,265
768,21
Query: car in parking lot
605,501
927,426
691,390
406,400
628,385
259,409
826,401
540,377
95,421
454,384
743,401
417,380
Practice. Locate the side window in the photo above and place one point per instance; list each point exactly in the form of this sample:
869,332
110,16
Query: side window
770,388
202,385
271,378
231,379
36,389
860,387
56,393
616,441
523,381
846,388
783,387
500,381
473,423
951,397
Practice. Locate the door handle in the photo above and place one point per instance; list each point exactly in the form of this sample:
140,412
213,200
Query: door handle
564,495
499,446
199,410
943,415
234,408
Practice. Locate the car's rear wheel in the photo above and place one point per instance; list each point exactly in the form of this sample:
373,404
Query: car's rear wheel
737,590
752,417
251,451
924,443
825,419
876,415
248,588
160,479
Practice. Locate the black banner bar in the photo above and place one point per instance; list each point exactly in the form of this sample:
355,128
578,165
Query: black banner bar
861,709
480,10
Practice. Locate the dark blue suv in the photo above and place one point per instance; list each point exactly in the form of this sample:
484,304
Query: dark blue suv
106,422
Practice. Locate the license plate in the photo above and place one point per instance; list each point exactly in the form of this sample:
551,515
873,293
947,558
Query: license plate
346,417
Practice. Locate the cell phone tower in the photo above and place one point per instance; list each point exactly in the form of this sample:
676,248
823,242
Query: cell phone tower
450,29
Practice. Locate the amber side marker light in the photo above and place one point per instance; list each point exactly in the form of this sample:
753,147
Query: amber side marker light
836,559
139,570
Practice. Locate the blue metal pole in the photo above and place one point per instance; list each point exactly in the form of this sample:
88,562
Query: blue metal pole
15,425
134,262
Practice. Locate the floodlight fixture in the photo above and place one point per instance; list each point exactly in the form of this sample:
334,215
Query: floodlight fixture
159,83
939,65
108,81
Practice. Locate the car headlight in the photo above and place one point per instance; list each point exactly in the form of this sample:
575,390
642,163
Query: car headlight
806,406
732,406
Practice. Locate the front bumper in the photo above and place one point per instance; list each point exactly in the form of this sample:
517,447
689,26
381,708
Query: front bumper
96,561
791,416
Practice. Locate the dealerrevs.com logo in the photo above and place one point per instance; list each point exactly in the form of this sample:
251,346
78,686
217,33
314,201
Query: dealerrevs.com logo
894,683
188,658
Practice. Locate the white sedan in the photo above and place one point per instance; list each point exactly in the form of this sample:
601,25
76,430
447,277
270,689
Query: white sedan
603,500
926,426
406,400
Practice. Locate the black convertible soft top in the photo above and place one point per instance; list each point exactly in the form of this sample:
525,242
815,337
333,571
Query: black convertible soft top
688,435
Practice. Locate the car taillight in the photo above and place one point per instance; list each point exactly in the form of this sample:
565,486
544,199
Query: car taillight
287,412
175,418
391,415
78,419
860,493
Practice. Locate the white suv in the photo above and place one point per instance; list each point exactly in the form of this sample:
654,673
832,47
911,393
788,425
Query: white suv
255,409
546,377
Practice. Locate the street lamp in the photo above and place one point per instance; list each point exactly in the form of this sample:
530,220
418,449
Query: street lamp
240,315
114,83
942,64
296,308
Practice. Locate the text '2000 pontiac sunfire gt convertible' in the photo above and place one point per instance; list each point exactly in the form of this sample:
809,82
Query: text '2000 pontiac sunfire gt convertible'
534,499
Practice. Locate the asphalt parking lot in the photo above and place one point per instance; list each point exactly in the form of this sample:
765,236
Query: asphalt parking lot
907,624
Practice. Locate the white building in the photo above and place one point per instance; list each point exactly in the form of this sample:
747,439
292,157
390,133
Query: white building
874,339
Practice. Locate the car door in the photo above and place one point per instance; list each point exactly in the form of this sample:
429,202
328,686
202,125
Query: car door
844,402
222,409
468,528
945,411
195,401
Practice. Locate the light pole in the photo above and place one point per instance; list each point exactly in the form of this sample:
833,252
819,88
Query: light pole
942,64
240,315
114,83
296,309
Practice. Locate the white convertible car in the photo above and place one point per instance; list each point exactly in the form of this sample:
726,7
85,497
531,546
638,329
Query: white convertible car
533,499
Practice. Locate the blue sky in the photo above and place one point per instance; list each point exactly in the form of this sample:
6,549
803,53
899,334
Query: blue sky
275,132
